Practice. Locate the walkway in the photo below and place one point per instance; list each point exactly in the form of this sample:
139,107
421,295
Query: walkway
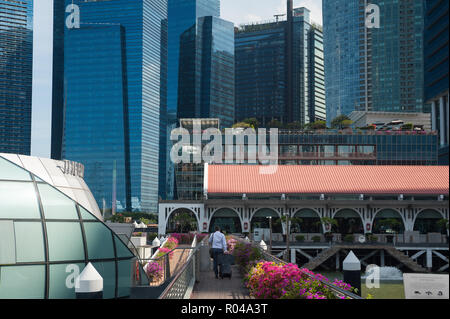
209,287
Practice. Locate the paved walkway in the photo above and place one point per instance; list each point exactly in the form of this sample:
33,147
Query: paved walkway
209,287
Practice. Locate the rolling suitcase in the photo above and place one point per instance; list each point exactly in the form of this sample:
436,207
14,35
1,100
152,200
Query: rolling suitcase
225,262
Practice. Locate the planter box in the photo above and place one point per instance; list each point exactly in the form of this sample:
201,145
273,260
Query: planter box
139,241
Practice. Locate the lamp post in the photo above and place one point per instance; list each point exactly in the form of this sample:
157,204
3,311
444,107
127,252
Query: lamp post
270,240
287,235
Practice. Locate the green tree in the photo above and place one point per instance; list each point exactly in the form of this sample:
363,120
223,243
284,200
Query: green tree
294,126
317,125
341,122
275,124
241,125
253,122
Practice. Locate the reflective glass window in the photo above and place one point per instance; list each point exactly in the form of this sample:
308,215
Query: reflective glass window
85,214
18,200
29,241
62,280
99,241
122,250
65,241
56,204
7,243
107,269
22,282
10,171
125,268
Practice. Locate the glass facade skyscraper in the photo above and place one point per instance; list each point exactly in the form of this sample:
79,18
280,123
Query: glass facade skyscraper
206,65
436,70
16,69
183,15
262,71
114,99
373,69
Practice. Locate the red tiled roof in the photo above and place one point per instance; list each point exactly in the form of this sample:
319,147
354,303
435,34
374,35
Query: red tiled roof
323,179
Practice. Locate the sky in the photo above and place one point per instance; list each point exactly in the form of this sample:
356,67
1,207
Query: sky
237,11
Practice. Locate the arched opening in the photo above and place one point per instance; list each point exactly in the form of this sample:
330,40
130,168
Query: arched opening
261,220
307,221
428,222
349,222
182,220
388,221
228,221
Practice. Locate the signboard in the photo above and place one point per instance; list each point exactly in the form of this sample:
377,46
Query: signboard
426,286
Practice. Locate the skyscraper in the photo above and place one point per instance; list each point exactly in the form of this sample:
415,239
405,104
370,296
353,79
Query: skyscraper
16,69
183,15
436,70
373,66
279,73
114,104
206,71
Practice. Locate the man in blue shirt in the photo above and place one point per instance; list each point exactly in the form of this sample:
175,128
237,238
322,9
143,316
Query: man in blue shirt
218,244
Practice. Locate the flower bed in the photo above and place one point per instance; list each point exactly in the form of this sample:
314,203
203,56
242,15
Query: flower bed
154,271
168,246
269,280
187,239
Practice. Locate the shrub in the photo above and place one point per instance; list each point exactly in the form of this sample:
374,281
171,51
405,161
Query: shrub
316,239
154,271
245,255
349,238
372,238
300,238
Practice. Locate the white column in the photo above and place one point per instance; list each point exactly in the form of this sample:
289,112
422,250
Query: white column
433,116
442,120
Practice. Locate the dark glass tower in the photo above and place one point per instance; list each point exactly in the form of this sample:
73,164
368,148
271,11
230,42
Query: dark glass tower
370,68
279,70
16,69
114,103
183,15
206,77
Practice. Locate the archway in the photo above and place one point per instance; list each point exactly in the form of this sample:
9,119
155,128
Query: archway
182,220
310,221
349,222
227,219
261,220
388,221
427,221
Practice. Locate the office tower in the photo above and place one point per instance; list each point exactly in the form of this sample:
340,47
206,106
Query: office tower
16,69
206,65
279,73
436,70
183,15
114,97
373,60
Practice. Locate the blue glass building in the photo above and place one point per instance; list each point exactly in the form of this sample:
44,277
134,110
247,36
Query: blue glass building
436,70
115,70
373,69
206,71
262,77
183,15
16,68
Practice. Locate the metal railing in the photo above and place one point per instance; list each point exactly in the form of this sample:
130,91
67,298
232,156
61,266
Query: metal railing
185,279
339,292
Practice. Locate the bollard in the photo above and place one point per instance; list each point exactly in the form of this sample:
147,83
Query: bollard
89,284
352,271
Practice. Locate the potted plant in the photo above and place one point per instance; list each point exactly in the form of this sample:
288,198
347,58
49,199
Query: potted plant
300,238
443,223
349,238
154,271
316,239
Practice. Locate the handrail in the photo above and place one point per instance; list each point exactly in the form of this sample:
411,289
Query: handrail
182,271
336,290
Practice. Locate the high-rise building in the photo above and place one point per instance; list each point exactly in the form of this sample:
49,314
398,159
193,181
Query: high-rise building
16,69
183,15
436,70
113,98
279,71
206,71
373,60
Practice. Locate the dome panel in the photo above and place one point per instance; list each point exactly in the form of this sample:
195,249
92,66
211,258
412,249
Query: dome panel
18,200
99,241
22,282
56,205
29,242
9,171
62,280
65,241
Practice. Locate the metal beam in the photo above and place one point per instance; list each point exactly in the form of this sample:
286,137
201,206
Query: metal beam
417,255
440,256
305,254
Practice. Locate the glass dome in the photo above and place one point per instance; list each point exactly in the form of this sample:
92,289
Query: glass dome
46,239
